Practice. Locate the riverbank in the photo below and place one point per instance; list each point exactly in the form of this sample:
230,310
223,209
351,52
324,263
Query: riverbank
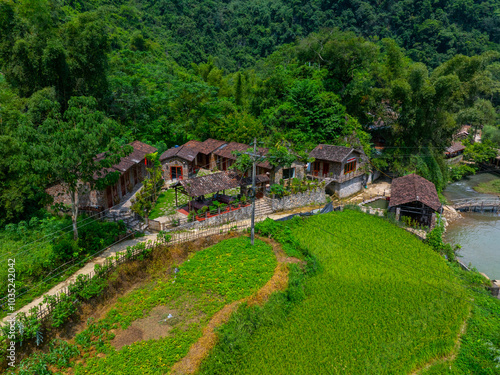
478,234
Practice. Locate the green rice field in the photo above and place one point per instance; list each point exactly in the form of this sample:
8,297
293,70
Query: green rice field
382,303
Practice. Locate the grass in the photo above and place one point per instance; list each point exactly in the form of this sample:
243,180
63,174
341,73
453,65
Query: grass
210,279
383,303
479,352
490,187
165,204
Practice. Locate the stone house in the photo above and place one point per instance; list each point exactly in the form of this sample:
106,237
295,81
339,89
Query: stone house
184,161
455,152
344,169
179,163
416,197
132,170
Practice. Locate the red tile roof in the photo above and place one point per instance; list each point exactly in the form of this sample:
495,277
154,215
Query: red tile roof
414,188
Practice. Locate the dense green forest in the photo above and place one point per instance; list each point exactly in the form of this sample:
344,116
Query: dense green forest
345,72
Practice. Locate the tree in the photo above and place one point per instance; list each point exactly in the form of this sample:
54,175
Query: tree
144,200
75,149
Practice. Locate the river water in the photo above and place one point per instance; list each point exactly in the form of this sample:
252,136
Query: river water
477,233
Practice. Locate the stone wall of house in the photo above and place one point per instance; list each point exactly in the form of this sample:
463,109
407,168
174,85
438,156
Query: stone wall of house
373,176
175,162
92,198
299,173
346,188
298,200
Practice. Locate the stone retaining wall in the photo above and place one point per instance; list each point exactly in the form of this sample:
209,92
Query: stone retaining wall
240,214
298,200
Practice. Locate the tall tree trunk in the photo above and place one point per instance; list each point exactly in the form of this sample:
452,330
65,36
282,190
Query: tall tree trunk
74,212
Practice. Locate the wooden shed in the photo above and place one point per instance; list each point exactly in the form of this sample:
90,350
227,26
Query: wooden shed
416,197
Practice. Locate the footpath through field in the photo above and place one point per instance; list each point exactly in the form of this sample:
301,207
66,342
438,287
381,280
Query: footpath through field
88,268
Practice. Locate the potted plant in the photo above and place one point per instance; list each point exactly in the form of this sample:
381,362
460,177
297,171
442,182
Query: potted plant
201,213
224,208
244,201
235,204
191,216
213,211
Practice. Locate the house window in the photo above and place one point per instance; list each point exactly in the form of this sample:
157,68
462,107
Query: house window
350,167
288,173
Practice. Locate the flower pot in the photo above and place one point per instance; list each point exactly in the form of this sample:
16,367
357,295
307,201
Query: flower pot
198,218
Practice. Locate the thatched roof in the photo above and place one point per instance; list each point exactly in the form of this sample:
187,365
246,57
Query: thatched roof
414,188
211,183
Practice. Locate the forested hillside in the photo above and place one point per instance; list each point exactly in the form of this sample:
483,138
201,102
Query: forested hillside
165,72
238,32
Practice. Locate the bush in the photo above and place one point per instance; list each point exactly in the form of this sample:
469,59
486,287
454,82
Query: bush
65,250
457,172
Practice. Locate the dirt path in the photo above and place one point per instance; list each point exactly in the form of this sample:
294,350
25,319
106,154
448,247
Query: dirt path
200,350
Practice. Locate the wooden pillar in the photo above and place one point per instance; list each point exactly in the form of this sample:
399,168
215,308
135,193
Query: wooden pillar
176,203
398,213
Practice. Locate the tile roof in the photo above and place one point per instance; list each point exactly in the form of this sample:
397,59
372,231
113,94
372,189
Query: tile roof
455,147
210,145
227,152
414,188
140,150
210,183
187,151
259,179
331,153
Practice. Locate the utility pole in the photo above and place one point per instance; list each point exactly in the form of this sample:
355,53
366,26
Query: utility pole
253,190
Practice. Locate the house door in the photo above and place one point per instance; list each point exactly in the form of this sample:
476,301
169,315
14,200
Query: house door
315,168
176,173
109,196
224,164
326,169
122,182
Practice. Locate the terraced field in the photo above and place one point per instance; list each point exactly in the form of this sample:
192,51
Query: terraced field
382,303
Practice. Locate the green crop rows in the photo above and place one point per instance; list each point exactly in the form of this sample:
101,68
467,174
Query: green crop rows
212,278
382,303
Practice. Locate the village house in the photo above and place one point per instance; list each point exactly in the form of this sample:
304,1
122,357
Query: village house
344,169
225,158
185,161
132,170
415,197
456,150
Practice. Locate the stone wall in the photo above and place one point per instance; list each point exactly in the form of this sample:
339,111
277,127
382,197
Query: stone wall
278,175
346,188
175,162
240,214
92,198
298,200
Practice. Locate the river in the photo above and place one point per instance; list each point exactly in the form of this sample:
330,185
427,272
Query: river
478,234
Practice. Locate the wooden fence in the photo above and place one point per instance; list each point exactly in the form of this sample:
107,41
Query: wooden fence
43,311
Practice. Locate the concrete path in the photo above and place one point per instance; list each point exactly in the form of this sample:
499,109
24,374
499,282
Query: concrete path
122,246
85,270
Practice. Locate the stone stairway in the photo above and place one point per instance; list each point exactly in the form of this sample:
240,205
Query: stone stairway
263,207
